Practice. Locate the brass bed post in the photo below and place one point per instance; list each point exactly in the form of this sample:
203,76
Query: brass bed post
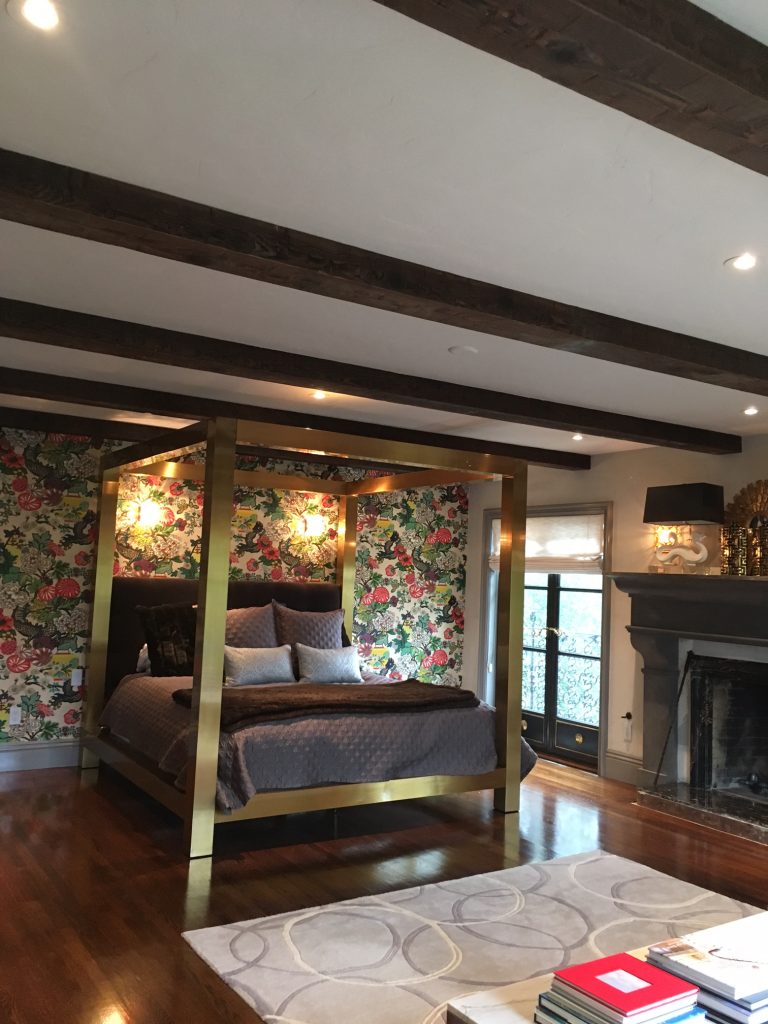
346,556
209,641
509,637
102,598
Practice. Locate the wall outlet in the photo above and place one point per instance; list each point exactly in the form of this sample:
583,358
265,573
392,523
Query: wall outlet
14,715
77,678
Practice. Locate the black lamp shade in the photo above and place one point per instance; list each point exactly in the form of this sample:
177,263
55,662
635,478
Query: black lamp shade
684,503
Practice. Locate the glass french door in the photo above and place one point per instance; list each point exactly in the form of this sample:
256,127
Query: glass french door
562,651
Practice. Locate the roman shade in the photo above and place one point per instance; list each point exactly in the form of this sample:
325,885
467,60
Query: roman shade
567,543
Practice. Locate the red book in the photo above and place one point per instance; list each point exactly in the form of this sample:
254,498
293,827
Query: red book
626,987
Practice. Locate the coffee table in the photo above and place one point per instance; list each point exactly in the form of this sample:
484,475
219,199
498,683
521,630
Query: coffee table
508,1004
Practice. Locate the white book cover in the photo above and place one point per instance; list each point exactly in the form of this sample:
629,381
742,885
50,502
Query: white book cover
732,957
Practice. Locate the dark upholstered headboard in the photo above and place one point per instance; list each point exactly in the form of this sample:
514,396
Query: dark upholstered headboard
126,635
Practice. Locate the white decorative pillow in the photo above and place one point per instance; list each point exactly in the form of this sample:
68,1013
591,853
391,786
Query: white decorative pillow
143,665
254,666
328,665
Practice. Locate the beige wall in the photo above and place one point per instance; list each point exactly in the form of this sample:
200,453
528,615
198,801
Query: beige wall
621,479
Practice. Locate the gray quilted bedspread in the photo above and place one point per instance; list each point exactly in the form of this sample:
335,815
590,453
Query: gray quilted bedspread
312,751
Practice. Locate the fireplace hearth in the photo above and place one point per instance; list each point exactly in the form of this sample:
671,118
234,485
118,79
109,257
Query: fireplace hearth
704,644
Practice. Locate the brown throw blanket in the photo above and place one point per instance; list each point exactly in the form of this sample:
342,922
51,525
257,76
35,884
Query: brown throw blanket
247,705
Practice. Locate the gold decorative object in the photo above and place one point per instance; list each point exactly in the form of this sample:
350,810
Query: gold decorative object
733,550
749,507
579,737
219,438
745,534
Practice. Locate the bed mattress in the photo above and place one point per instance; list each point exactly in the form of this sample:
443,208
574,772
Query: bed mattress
301,752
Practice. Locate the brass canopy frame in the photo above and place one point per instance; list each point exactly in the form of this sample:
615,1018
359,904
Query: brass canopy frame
219,438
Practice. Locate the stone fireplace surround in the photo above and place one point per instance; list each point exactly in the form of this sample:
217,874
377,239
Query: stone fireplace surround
721,616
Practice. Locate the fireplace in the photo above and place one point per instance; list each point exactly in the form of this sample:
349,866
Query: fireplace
704,644
729,729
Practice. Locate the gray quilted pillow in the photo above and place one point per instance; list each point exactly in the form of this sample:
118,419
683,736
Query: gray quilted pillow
252,666
251,627
338,665
313,629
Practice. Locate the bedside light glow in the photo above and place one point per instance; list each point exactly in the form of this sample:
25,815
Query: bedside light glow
310,525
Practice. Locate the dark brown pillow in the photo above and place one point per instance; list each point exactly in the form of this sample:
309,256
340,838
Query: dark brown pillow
313,629
251,627
170,633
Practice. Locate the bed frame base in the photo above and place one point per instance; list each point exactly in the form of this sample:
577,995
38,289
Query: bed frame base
138,770
355,794
146,777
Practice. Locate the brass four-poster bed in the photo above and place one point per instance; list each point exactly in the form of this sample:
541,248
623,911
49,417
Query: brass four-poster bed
219,439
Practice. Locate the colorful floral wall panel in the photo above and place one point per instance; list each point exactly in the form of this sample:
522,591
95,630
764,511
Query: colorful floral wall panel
410,573
47,532
266,543
410,582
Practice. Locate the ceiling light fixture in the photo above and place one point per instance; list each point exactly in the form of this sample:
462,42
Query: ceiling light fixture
744,262
319,395
751,410
40,13
578,437
463,350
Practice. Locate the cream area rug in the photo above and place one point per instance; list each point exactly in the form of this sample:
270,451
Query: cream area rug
399,958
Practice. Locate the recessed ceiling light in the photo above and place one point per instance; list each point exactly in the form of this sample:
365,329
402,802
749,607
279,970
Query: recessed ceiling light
463,350
578,437
751,410
319,395
40,13
744,262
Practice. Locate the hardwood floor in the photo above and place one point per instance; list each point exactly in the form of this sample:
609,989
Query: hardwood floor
94,896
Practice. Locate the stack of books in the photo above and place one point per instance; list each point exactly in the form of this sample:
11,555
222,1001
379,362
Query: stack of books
729,963
618,989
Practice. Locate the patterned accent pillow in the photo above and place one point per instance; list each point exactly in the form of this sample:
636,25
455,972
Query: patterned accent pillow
313,629
170,633
251,627
253,666
338,665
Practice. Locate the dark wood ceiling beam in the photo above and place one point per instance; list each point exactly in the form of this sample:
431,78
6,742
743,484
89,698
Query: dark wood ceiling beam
45,422
104,336
59,198
666,62
53,388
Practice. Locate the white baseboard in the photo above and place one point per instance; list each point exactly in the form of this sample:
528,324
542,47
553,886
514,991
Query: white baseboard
22,757
622,768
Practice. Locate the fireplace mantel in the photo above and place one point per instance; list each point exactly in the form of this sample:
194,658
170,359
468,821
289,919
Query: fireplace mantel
723,609
669,608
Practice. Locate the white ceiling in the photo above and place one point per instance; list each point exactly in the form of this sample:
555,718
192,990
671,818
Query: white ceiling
346,120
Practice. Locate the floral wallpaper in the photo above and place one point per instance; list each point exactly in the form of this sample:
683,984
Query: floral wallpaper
411,571
265,543
47,533
409,616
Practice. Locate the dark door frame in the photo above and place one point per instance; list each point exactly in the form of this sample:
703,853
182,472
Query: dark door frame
604,508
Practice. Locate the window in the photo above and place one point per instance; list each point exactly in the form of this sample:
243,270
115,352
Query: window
563,624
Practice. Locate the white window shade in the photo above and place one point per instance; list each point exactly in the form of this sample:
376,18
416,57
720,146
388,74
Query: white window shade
558,544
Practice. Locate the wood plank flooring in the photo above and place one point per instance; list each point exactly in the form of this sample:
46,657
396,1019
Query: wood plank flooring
93,895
